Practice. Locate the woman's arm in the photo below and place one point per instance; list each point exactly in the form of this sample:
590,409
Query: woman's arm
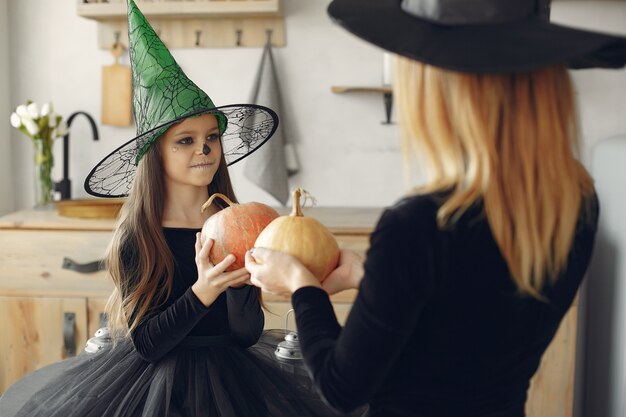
349,365
245,316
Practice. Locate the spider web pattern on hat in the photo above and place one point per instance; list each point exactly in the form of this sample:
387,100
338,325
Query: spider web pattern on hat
161,90
248,128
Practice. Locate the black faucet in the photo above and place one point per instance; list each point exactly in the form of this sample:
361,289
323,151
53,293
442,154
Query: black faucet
65,185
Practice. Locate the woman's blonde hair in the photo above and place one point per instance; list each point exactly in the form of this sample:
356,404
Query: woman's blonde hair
138,258
508,140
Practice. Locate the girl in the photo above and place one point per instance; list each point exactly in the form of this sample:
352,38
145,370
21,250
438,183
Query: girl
466,280
183,325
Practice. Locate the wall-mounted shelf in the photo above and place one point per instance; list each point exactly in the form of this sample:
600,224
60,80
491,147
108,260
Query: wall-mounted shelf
193,23
386,91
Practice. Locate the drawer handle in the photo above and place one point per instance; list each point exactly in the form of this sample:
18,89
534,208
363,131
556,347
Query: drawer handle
85,268
69,334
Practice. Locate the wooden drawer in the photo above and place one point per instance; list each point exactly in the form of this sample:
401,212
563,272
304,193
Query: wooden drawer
31,263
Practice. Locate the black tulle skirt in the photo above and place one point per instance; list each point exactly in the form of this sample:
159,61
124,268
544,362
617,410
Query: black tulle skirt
202,377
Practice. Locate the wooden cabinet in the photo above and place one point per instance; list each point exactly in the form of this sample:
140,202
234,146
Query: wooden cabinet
551,392
46,310
36,293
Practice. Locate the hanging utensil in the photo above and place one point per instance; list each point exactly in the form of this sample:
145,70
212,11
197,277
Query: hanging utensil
116,91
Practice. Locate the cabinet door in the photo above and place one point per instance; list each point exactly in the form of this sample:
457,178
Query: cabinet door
33,333
551,392
276,317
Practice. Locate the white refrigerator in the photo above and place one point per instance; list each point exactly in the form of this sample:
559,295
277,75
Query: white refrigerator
602,380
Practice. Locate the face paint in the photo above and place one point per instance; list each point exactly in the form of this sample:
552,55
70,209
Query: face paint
205,149
174,148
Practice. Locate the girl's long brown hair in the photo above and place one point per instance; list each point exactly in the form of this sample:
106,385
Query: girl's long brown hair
143,280
510,140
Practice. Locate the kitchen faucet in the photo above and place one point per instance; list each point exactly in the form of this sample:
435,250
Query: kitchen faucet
65,185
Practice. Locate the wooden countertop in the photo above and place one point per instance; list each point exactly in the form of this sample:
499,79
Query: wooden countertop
344,220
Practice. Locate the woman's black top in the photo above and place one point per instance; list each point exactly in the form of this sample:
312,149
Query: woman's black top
236,312
438,327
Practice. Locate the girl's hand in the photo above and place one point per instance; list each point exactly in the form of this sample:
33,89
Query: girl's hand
277,272
212,280
347,275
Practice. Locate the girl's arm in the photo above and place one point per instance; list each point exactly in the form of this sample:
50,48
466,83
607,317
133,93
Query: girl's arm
245,317
160,333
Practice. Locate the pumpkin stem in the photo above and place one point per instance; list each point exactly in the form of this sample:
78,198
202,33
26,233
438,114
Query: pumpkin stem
210,201
296,210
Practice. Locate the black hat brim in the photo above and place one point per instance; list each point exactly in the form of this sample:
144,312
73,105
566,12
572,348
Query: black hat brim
518,46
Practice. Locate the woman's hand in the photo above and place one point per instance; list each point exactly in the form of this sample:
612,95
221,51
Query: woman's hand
277,272
212,280
347,275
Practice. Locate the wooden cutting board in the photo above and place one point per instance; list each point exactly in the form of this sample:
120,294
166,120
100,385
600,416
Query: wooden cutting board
116,92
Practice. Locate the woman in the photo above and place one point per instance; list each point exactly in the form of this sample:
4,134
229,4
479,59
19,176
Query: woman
467,278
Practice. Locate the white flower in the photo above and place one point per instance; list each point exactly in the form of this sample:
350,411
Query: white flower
16,121
30,126
46,109
52,119
33,110
22,111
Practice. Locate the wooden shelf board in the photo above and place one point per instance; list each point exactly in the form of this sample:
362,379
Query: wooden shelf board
116,11
343,89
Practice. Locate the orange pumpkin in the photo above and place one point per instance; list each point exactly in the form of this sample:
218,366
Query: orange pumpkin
303,237
235,229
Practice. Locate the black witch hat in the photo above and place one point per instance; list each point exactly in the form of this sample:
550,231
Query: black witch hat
478,36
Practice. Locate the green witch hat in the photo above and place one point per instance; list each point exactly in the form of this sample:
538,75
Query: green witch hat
162,96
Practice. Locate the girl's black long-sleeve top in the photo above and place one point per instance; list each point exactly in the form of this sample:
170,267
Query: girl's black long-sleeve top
236,312
438,327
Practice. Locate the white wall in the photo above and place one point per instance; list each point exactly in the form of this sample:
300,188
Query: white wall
6,184
347,156
601,93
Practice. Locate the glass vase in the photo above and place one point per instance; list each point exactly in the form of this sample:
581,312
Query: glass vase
44,187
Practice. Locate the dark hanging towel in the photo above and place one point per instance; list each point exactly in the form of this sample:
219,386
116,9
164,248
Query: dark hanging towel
271,165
